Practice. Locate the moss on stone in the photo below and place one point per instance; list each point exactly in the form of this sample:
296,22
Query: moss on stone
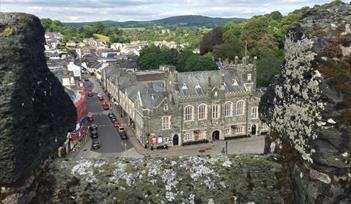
7,31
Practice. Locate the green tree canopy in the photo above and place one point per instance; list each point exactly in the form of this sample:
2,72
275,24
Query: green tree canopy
151,57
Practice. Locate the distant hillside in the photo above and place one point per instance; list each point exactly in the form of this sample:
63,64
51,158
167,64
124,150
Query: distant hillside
190,20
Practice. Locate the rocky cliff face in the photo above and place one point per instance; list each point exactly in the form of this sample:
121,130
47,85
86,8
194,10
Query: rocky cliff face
308,106
35,112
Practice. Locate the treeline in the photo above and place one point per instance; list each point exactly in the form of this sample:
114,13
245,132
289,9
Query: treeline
114,34
151,57
181,35
261,36
190,36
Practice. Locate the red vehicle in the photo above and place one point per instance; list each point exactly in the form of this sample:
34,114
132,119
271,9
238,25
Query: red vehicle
90,94
105,106
90,118
116,123
100,97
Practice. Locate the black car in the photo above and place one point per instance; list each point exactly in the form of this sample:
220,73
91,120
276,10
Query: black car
111,115
95,144
94,134
122,133
93,127
123,136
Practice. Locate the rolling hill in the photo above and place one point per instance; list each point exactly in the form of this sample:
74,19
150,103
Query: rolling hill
189,20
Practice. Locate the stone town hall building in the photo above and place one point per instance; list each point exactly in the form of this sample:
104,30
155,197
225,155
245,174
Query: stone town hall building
167,107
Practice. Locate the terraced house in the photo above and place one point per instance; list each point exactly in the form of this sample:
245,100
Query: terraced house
167,107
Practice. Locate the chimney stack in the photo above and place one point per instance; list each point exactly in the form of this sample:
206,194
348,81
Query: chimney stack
244,60
222,82
209,84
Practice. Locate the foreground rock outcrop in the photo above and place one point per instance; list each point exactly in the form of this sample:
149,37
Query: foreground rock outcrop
35,111
308,106
241,179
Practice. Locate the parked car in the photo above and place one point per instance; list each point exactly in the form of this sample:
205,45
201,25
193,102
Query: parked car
116,123
90,117
105,106
93,127
94,134
90,94
111,115
122,133
100,97
95,144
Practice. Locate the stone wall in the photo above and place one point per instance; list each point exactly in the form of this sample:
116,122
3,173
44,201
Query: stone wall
35,111
245,179
308,105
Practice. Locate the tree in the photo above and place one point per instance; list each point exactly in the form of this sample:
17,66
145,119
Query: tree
275,16
210,39
267,67
253,30
264,36
151,57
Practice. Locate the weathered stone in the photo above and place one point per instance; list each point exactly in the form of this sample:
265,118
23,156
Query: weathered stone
35,112
239,179
309,104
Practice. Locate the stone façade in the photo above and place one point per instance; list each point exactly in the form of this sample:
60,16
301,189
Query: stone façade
148,97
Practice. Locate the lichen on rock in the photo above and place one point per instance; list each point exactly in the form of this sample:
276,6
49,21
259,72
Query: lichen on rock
308,105
240,179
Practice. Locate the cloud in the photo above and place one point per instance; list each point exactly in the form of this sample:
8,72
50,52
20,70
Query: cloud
123,10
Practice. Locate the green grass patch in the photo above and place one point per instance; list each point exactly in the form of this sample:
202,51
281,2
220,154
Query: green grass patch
103,38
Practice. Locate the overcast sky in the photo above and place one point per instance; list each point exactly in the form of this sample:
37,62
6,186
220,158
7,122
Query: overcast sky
123,10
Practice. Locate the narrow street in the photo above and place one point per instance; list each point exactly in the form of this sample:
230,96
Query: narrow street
109,138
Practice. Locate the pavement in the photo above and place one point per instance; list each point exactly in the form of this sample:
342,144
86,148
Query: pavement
113,146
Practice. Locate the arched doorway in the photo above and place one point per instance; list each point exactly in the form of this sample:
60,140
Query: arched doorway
175,140
215,135
253,130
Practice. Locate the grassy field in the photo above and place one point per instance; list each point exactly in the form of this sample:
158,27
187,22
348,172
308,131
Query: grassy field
103,38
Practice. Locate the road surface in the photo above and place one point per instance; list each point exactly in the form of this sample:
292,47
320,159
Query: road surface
110,141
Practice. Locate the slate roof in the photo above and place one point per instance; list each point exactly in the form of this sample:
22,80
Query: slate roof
196,83
149,86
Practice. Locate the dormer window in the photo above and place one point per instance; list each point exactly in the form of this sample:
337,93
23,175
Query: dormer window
184,87
249,77
235,83
165,107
